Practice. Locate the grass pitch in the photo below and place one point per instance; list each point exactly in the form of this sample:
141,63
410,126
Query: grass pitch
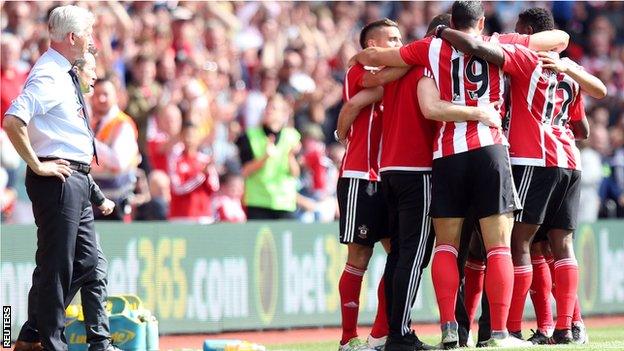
608,338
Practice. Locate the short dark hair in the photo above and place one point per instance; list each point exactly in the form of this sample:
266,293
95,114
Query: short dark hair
540,19
465,14
443,19
373,25
108,77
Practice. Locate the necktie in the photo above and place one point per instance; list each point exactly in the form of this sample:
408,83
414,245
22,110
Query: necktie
76,82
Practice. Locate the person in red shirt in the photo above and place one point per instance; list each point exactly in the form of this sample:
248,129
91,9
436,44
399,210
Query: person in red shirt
471,165
193,180
546,162
228,206
11,74
363,215
165,140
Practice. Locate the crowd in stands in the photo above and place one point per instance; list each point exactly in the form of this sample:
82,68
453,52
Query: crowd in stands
185,87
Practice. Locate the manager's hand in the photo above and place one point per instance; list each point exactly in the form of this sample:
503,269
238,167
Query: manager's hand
107,207
54,168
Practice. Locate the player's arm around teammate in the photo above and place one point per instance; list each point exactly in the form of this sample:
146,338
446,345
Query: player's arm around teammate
373,80
351,109
437,109
555,40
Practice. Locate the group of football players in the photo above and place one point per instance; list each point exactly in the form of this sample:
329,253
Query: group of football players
462,146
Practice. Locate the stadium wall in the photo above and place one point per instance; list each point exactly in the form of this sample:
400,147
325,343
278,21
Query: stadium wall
265,275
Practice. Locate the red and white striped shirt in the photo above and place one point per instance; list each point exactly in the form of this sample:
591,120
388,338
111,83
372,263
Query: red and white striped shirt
407,135
542,104
361,159
463,80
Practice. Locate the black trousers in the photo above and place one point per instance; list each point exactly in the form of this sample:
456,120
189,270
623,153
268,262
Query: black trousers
68,258
408,196
470,230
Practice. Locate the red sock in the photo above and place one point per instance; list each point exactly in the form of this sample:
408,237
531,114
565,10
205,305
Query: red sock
566,278
499,286
349,287
445,277
474,271
380,326
521,284
551,266
541,287
576,317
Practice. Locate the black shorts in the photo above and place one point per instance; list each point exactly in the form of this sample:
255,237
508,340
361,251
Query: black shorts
478,178
363,212
549,196
541,234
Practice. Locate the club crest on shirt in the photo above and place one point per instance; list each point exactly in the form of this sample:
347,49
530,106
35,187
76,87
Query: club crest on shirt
363,231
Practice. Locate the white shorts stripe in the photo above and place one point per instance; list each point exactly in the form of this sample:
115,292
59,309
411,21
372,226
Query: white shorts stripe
351,202
526,190
525,183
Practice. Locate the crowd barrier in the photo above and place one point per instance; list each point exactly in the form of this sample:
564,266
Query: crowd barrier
263,275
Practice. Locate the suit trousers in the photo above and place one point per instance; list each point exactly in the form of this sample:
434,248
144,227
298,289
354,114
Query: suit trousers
68,258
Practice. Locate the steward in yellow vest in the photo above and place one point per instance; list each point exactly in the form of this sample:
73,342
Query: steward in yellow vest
269,165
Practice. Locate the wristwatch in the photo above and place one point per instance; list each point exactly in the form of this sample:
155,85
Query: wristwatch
337,137
439,29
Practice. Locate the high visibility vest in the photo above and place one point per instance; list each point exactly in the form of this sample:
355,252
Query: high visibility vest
272,186
120,185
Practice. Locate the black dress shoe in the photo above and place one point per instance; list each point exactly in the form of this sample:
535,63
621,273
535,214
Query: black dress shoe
408,342
27,346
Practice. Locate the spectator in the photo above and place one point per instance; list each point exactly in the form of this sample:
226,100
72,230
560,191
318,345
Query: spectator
117,149
616,163
270,168
317,200
193,179
590,182
257,99
143,95
219,62
315,161
227,204
157,208
9,160
164,140
13,72
17,14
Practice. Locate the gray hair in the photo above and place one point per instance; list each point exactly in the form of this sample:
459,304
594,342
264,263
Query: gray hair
69,19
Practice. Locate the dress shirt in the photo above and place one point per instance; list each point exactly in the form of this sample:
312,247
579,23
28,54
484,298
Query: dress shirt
50,107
